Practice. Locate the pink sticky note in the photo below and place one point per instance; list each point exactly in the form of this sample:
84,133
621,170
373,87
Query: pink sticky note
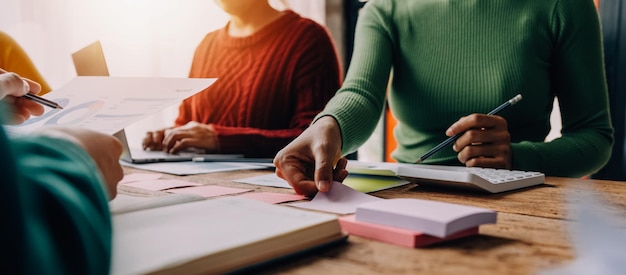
272,198
157,185
396,235
435,218
139,177
209,191
340,199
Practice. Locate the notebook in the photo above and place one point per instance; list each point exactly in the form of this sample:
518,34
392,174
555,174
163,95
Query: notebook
402,221
138,155
434,218
397,235
216,236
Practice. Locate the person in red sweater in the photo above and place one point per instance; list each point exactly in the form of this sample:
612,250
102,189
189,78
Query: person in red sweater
275,71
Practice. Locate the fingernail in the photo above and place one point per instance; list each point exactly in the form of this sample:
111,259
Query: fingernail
449,131
323,185
26,86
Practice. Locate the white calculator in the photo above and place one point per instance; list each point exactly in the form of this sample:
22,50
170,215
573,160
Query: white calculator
485,179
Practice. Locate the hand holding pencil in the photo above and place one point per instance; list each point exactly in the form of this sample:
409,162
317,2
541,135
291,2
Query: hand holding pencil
481,140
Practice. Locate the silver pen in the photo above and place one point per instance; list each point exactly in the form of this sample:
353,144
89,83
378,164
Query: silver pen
42,101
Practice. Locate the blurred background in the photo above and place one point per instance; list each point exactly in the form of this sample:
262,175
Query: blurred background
157,38
154,38
139,37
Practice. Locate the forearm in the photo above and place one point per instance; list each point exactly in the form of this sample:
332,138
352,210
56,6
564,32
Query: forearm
579,83
358,104
573,155
68,211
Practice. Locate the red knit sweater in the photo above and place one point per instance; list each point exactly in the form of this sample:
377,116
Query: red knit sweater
270,84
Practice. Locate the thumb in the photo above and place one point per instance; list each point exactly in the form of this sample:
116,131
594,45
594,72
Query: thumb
26,86
31,86
324,164
12,84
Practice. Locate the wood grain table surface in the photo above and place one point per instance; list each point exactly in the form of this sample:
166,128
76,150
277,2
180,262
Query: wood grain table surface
531,234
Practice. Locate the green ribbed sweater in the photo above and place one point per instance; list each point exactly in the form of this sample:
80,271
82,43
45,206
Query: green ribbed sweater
451,58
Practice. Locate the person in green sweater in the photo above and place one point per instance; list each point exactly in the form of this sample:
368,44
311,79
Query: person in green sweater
452,62
56,185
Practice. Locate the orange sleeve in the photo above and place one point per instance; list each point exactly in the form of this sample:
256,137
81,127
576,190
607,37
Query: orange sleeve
14,59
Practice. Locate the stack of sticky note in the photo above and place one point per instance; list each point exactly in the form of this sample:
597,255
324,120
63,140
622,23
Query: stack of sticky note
414,222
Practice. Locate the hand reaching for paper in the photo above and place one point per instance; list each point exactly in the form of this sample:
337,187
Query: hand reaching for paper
312,161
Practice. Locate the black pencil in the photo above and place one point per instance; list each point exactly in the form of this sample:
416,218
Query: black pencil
451,139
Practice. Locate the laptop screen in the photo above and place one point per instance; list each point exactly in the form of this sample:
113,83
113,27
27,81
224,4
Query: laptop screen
89,61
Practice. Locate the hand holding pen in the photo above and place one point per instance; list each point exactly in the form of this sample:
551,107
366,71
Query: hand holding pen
12,89
481,140
38,99
42,101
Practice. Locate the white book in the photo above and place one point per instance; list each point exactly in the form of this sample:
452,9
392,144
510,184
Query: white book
215,236
124,203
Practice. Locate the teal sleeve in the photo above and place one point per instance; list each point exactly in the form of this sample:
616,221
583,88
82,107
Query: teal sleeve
578,79
58,221
358,104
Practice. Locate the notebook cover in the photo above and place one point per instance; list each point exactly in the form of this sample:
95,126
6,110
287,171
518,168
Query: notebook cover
396,235
215,236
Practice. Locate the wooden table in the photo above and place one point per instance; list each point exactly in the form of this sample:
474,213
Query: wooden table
531,233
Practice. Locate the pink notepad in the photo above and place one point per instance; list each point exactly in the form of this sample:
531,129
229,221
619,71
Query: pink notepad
439,219
396,235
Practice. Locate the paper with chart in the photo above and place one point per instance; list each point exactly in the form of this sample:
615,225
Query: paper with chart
109,104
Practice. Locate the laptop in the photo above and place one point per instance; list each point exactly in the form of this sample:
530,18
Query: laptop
90,61
138,155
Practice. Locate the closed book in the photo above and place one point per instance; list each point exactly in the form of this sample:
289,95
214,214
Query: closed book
215,236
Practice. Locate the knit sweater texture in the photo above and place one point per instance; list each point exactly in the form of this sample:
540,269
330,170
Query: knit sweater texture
452,58
270,85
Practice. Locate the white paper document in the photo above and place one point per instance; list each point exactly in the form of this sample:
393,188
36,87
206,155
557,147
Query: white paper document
265,180
109,104
184,168
126,203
